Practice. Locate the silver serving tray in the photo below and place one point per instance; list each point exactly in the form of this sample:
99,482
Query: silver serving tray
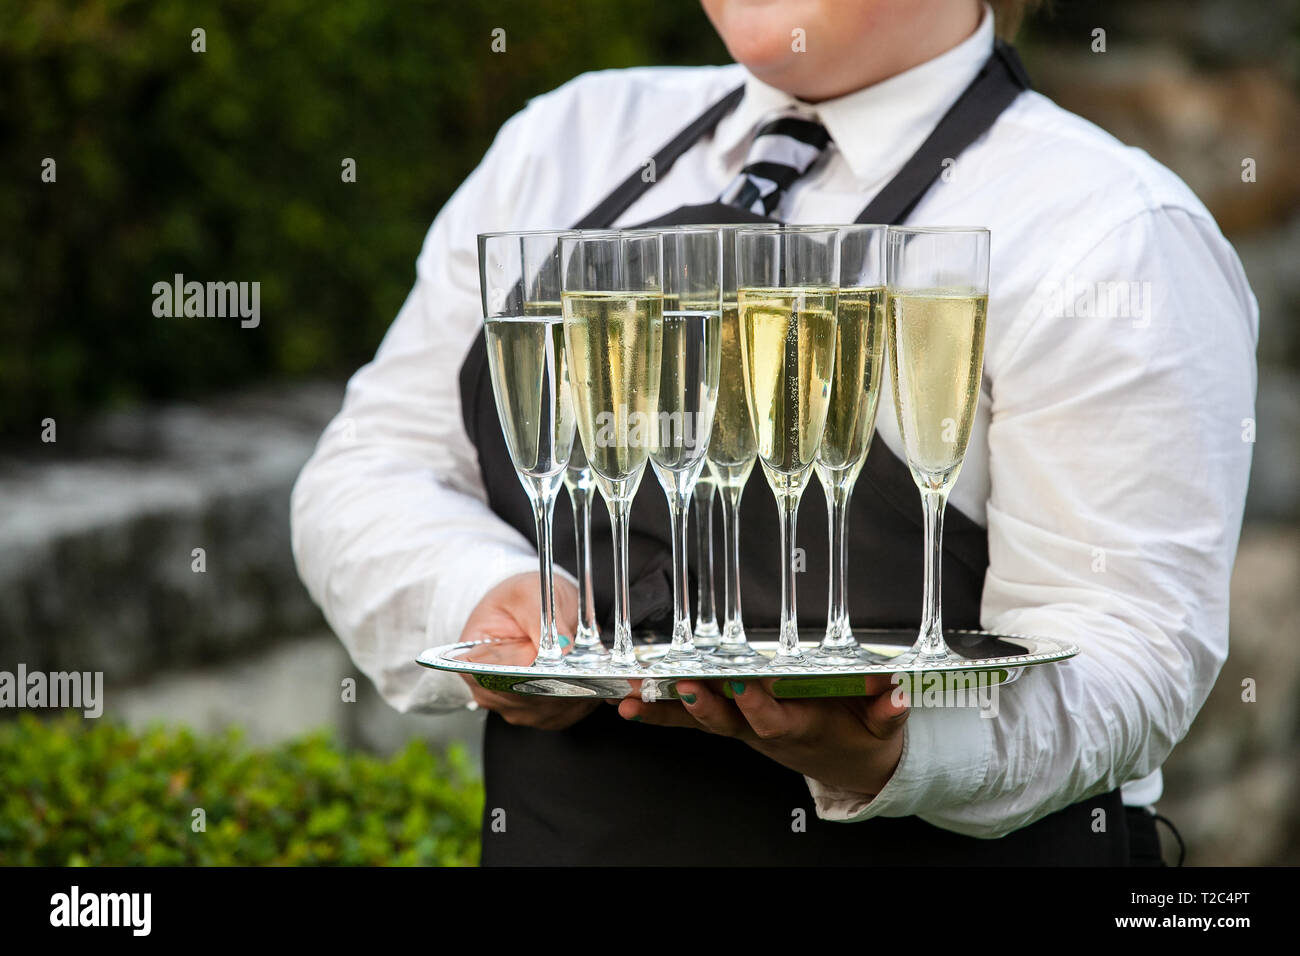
984,659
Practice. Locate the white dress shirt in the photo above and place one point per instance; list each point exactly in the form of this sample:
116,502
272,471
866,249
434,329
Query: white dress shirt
1108,461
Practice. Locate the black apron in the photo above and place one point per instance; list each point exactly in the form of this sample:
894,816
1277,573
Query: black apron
609,791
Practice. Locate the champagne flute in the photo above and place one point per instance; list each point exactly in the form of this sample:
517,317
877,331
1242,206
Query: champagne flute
787,278
613,330
519,280
706,614
578,479
732,450
937,300
851,416
688,391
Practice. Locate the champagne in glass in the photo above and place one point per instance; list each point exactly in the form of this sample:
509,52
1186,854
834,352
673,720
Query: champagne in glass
787,280
732,450
936,309
688,391
519,282
851,416
613,329
578,479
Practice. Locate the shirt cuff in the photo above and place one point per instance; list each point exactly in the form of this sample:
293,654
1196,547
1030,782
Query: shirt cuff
946,755
456,592
455,595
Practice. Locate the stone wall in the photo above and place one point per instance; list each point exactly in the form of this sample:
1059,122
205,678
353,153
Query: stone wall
98,534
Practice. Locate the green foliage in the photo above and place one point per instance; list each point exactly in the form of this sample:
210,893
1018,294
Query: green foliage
91,793
225,166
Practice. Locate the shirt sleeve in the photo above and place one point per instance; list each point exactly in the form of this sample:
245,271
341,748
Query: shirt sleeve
391,529
1119,452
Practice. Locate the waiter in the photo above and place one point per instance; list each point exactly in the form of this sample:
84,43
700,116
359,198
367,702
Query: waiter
1100,501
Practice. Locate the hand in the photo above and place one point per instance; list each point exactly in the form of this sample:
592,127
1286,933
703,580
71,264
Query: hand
510,615
853,743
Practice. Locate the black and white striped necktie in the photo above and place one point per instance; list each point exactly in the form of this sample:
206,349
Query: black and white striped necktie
783,150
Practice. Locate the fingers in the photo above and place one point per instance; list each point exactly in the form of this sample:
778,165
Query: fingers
522,710
879,684
667,714
701,707
512,609
706,703
530,710
887,711
508,619
769,718
511,651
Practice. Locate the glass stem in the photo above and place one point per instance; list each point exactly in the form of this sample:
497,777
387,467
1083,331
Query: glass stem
588,631
623,653
683,640
733,631
706,615
838,633
788,643
548,645
930,642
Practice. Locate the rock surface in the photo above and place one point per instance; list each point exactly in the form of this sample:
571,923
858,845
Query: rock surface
98,548
289,689
1232,786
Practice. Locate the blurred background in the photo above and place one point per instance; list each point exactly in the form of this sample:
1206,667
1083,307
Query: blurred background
176,434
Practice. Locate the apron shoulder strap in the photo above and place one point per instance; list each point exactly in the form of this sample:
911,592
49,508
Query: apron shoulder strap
999,81
630,189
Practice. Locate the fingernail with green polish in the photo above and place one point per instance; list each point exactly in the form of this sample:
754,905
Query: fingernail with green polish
689,698
737,687
637,719
564,641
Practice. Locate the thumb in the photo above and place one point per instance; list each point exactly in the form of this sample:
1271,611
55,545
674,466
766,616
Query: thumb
886,711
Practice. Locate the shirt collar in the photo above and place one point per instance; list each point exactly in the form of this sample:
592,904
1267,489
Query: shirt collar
878,127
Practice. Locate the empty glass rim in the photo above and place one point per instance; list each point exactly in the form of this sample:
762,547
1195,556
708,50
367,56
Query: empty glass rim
684,227
713,225
583,235
524,232
784,227
940,229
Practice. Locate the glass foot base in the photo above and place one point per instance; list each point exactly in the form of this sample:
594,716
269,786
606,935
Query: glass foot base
674,660
913,658
786,661
845,656
588,655
706,638
735,655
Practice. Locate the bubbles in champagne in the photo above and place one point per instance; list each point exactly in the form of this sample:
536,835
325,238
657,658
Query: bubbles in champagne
526,360
788,341
936,355
855,386
615,345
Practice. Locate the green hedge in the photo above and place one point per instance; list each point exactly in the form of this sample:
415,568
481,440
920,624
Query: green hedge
225,166
76,792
